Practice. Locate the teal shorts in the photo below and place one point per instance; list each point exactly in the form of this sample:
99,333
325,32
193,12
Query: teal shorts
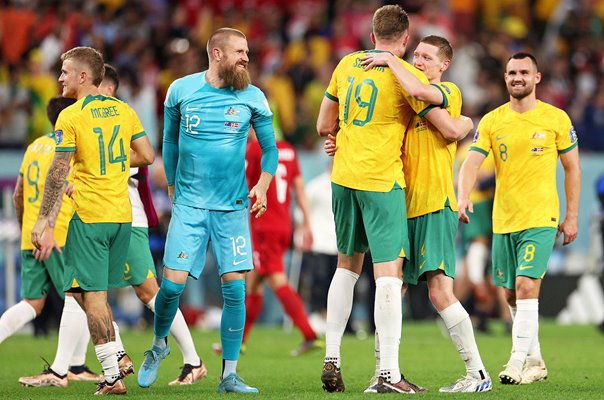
432,238
139,264
94,254
371,220
36,276
523,253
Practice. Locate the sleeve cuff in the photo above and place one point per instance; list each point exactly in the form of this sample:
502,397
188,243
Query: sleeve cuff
426,110
65,149
572,146
331,97
445,102
138,135
478,149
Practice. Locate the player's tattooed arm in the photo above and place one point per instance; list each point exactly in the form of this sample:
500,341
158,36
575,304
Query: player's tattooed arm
54,213
18,200
55,182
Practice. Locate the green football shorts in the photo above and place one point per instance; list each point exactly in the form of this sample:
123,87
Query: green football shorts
432,238
374,220
139,265
93,253
523,253
36,276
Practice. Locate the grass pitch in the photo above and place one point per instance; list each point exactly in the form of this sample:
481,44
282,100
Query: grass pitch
574,357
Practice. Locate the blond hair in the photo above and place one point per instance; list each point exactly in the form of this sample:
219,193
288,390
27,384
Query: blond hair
219,37
390,22
92,58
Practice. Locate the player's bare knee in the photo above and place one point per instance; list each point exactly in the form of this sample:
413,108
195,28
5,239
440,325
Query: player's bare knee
37,304
146,290
275,281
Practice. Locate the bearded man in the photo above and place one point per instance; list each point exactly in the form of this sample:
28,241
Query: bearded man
207,117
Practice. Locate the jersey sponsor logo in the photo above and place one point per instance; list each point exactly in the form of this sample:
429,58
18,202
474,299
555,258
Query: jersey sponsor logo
538,135
523,267
476,135
573,134
231,113
59,136
501,137
187,108
239,262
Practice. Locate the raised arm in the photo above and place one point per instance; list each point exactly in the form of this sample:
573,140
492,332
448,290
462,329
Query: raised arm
572,190
53,188
466,182
428,93
328,122
453,129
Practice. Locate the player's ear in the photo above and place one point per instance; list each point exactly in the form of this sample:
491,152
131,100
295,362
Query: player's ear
372,37
538,77
216,54
445,65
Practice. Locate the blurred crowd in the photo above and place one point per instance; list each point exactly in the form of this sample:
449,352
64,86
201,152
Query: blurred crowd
294,46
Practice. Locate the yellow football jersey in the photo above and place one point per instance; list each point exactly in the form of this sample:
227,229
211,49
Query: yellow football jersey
525,147
34,168
486,169
99,130
374,112
428,160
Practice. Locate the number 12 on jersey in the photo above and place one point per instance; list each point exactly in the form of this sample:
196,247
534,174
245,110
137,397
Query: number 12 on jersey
369,103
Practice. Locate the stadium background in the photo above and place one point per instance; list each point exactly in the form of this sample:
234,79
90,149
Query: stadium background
294,46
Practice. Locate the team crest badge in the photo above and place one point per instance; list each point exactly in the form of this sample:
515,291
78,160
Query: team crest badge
476,135
231,113
573,135
58,137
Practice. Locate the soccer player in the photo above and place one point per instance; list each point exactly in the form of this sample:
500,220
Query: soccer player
207,117
139,270
428,158
271,237
526,136
40,268
371,113
96,131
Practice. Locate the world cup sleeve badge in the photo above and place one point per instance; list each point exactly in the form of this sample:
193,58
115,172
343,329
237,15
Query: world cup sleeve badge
58,136
573,134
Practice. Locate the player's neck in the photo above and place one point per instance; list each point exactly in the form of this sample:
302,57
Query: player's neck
88,90
523,105
213,79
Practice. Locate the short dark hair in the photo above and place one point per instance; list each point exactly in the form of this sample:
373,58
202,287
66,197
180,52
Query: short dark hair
522,56
444,47
55,106
390,22
112,76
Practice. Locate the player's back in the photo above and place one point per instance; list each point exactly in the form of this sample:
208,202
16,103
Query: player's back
374,112
34,168
278,214
99,130
428,160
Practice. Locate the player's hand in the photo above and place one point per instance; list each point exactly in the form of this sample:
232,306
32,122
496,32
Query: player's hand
259,206
330,145
303,238
37,231
570,228
465,206
171,193
69,190
375,60
47,244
